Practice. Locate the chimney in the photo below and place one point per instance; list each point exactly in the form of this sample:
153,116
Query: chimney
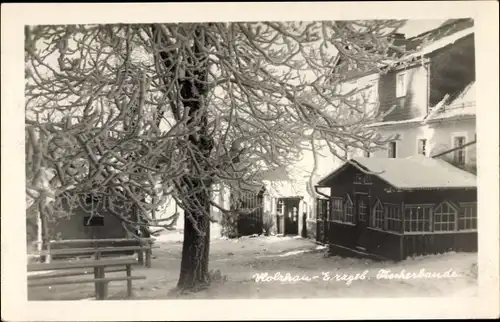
399,40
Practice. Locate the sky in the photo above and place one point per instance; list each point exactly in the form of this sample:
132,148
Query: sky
415,27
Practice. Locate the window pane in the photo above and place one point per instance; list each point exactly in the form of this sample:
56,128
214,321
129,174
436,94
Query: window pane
444,218
400,85
392,150
421,146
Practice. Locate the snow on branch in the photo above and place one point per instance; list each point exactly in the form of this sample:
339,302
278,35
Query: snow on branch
140,112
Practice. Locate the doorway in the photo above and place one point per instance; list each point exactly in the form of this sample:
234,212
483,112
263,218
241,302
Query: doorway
362,216
289,223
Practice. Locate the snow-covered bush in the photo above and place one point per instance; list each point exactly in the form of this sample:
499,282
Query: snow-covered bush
229,225
267,223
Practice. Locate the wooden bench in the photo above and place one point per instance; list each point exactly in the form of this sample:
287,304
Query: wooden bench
99,267
144,248
97,252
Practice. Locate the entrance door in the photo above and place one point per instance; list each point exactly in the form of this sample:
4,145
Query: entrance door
362,215
292,216
322,208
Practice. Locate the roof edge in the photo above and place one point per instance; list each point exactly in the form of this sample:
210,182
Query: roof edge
322,184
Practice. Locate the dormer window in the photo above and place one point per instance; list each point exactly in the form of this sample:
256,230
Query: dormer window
401,84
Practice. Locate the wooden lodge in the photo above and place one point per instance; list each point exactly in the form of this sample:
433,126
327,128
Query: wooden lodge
392,208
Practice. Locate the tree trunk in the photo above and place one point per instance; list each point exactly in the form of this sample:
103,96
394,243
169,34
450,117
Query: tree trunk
195,253
45,235
192,93
196,247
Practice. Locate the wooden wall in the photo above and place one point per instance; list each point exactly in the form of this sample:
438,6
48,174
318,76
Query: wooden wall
439,243
392,245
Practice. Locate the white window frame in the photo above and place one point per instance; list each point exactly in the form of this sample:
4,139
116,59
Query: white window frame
374,218
466,140
366,215
467,218
280,207
351,205
401,92
389,218
408,222
426,145
332,216
395,149
435,215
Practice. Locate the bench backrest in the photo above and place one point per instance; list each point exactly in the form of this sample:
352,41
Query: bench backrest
101,241
90,250
81,264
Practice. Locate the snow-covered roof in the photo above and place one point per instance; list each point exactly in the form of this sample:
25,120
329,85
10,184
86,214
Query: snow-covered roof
441,43
420,46
462,105
402,122
416,172
283,189
467,95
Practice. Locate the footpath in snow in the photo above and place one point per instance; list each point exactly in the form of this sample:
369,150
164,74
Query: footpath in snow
286,267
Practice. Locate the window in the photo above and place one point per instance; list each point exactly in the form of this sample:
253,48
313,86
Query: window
422,147
322,208
392,149
459,154
417,218
467,218
279,207
359,178
349,210
401,84
337,214
92,221
362,210
444,217
378,215
393,217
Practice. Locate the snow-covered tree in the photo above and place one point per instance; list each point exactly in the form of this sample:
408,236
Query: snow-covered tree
134,112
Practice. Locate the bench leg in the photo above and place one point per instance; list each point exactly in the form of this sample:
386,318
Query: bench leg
101,288
140,257
148,258
129,282
96,284
104,290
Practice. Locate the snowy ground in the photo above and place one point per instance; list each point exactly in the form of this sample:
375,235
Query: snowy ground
238,262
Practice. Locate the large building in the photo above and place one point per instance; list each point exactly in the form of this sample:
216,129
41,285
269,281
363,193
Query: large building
416,195
430,104
433,95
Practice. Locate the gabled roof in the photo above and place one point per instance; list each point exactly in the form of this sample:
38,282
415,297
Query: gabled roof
450,27
416,172
428,48
426,43
463,105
